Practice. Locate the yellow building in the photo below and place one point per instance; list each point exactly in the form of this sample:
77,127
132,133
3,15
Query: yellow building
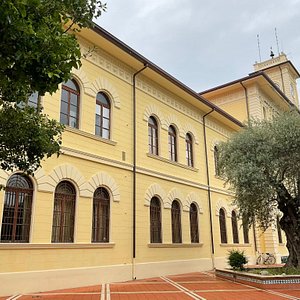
135,193
271,88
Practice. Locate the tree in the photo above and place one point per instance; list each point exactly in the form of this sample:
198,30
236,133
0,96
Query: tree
38,49
262,165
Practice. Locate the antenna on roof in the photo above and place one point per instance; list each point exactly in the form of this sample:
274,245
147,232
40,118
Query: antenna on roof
277,40
258,45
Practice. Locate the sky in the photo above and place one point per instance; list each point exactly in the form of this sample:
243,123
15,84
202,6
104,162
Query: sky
206,43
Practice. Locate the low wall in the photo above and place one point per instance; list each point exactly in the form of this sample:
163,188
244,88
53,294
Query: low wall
261,281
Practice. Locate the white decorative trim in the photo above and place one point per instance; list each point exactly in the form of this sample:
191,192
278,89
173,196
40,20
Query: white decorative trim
153,110
214,143
82,77
193,198
172,195
59,173
4,175
188,128
154,190
102,84
222,204
171,120
103,179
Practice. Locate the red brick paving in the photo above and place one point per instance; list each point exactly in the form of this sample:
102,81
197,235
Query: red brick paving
142,287
158,296
246,295
178,287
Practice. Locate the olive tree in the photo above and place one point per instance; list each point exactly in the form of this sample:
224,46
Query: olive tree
261,164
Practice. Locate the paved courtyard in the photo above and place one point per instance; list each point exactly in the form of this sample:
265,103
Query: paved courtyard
200,285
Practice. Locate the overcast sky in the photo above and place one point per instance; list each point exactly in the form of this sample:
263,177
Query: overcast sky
206,43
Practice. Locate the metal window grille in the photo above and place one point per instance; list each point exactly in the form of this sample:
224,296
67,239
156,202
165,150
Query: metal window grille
194,224
222,222
16,218
101,212
189,150
155,221
176,222
234,225
279,231
153,136
172,143
69,110
102,122
64,213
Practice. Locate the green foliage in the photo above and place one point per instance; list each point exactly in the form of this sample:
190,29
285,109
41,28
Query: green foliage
278,271
237,259
262,165
26,137
38,50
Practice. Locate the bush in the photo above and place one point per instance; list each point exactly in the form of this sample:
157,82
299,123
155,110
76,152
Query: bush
237,259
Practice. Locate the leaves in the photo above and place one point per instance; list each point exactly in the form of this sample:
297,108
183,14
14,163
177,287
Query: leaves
262,165
26,137
38,50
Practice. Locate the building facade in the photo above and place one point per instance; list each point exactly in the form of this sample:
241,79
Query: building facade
136,191
263,94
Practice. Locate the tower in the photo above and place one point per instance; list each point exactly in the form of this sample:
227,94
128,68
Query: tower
283,73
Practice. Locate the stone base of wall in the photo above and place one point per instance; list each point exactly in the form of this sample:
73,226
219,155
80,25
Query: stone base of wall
261,281
46,280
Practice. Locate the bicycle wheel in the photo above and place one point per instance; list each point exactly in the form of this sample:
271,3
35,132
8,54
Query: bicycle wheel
260,260
271,260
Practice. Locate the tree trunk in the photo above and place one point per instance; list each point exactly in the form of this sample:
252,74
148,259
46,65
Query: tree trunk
290,225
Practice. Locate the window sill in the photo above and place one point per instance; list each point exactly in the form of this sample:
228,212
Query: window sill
235,245
172,162
175,245
24,246
89,135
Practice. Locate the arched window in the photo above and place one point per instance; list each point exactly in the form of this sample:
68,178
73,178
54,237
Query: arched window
172,143
222,221
101,214
279,230
155,221
33,100
246,231
17,210
69,105
153,136
102,123
64,213
194,224
176,222
189,150
235,233
216,159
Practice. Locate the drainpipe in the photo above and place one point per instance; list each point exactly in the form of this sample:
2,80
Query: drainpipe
134,172
247,102
208,191
282,82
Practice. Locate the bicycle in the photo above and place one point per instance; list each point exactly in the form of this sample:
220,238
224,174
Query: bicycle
266,259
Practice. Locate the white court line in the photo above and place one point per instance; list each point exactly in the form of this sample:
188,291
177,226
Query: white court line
185,290
107,292
102,297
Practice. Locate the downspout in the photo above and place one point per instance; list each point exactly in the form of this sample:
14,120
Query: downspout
209,191
134,172
282,82
247,102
